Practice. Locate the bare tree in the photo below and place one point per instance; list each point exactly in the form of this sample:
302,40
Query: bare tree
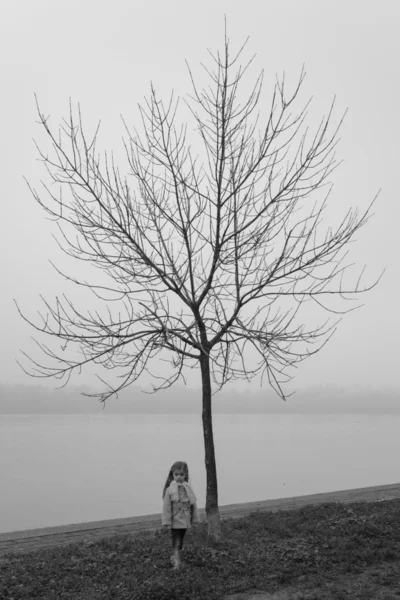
232,238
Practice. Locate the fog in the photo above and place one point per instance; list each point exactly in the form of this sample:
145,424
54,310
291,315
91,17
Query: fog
179,400
104,55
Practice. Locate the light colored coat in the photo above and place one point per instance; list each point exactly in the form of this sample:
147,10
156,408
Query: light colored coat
179,515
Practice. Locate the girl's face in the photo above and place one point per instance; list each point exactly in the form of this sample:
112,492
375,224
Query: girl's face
179,476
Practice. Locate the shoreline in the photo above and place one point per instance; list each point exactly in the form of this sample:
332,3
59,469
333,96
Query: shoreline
35,539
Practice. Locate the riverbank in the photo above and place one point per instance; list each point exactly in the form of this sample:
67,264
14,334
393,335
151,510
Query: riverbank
36,539
328,550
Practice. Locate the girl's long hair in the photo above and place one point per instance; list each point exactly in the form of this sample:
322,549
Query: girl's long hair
177,466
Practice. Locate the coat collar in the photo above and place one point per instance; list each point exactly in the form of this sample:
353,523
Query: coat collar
173,490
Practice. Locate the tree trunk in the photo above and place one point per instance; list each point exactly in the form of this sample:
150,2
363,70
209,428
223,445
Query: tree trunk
212,512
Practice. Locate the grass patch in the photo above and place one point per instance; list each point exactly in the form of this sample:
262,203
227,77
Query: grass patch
301,551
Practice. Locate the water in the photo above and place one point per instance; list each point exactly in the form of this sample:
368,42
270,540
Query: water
62,469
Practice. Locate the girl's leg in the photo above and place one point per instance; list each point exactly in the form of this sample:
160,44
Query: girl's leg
175,538
176,543
181,536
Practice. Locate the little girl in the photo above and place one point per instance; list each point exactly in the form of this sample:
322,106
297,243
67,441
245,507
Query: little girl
179,509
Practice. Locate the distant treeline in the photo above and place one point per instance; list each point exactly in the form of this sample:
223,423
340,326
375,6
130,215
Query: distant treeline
19,399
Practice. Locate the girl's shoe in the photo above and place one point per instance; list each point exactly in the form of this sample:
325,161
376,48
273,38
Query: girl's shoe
176,562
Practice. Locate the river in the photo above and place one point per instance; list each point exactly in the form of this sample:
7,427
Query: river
61,469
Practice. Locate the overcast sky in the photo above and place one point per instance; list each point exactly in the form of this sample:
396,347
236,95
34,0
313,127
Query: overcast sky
104,55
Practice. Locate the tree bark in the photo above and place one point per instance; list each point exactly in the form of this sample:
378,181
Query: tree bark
212,512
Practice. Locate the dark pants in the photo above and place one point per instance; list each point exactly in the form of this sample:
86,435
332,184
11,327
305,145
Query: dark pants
177,538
